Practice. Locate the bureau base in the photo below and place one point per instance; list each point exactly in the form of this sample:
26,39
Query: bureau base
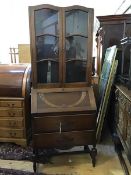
92,152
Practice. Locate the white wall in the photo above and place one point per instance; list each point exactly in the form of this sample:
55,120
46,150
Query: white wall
14,28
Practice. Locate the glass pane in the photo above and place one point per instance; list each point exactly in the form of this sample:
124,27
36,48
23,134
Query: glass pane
47,72
76,22
76,71
76,59
127,57
128,30
46,47
46,21
76,48
113,35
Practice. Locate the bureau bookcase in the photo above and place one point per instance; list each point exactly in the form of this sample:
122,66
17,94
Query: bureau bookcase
62,99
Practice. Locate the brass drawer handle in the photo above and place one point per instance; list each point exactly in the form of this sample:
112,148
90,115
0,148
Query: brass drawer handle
11,113
11,105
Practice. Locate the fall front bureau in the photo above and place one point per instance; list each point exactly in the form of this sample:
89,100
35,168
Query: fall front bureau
62,123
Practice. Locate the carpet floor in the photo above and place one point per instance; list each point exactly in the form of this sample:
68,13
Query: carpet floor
5,171
16,160
68,164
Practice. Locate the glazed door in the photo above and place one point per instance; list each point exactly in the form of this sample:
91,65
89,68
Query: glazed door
46,39
61,45
77,45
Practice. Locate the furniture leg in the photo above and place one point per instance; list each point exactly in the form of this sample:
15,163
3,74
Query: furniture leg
86,149
35,154
93,155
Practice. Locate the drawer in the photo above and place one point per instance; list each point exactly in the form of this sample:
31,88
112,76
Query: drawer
64,123
7,112
64,139
11,133
12,104
12,122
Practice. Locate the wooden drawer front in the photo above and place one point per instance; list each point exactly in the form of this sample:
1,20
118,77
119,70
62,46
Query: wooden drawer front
12,123
11,112
11,133
12,104
64,123
57,140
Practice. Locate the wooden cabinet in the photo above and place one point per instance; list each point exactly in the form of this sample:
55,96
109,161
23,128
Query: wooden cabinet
115,27
62,99
15,121
123,117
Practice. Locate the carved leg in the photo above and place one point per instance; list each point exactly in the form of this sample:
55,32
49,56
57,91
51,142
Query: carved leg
35,154
93,154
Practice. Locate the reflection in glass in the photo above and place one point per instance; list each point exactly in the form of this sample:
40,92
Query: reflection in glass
76,22
76,48
46,47
46,21
128,30
75,71
47,72
126,58
76,59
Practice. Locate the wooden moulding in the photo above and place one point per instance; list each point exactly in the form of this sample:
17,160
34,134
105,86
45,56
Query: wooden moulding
105,96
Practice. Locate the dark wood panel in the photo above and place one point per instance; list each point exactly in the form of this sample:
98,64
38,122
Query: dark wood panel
59,140
64,123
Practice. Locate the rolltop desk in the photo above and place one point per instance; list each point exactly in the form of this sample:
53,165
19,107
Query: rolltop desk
62,99
15,118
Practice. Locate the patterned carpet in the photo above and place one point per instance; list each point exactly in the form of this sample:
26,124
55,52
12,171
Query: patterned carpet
16,160
4,171
10,151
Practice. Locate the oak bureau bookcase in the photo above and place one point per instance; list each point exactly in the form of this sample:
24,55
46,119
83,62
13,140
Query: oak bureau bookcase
62,99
